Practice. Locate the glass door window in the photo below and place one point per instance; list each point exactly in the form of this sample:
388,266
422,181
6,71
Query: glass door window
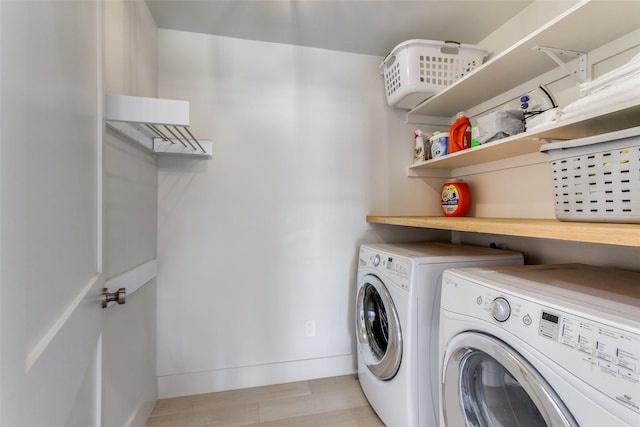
378,328
376,322
491,396
486,383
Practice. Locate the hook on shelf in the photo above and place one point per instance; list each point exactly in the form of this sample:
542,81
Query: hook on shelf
166,119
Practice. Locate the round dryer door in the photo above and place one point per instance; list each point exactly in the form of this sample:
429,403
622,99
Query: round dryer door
487,383
378,328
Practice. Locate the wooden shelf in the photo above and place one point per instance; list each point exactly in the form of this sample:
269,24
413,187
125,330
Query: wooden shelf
583,28
602,233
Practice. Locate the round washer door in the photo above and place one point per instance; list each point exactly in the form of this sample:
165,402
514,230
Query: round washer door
485,382
378,328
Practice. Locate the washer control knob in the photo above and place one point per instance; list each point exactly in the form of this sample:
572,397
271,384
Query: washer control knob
500,309
376,260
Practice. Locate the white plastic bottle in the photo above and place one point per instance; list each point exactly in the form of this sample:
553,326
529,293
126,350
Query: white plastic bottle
418,152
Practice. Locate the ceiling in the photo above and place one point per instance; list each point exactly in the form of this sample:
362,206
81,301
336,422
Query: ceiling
370,27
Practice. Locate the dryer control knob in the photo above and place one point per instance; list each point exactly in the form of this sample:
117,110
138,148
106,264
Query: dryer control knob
376,260
500,309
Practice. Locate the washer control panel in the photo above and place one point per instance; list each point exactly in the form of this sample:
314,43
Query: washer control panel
614,351
395,267
603,355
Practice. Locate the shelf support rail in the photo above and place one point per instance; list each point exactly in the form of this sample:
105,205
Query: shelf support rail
179,137
555,54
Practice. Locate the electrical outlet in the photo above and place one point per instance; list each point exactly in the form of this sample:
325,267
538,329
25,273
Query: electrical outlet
310,328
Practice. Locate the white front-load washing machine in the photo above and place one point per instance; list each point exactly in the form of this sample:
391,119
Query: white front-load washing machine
397,323
540,346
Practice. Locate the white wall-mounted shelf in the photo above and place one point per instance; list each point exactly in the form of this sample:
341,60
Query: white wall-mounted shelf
584,27
159,125
621,116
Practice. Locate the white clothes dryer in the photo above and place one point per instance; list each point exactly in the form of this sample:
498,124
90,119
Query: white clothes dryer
540,346
397,312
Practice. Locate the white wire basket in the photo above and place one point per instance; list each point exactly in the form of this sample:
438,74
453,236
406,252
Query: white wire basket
417,69
597,179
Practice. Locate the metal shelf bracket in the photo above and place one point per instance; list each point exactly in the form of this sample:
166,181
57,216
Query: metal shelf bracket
556,54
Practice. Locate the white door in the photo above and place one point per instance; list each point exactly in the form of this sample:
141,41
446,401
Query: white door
50,213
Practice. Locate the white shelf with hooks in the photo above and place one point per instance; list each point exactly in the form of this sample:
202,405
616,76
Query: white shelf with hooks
160,125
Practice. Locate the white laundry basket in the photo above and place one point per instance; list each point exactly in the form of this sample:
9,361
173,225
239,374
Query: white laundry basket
597,179
418,69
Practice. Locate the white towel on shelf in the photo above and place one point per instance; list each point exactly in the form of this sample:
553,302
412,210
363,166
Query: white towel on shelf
629,70
619,93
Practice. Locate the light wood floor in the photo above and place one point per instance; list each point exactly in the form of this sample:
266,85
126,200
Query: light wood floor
323,402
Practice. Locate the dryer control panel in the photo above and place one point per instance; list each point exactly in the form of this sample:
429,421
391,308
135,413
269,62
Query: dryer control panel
614,351
396,267
605,355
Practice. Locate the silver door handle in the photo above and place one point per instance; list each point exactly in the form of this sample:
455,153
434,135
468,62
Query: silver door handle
118,296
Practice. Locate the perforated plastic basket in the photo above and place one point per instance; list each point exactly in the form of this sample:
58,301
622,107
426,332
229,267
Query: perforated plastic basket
418,69
597,179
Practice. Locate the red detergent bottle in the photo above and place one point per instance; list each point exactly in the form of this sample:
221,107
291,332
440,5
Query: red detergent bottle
456,198
460,134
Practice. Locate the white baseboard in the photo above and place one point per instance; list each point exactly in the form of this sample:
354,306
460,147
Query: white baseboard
254,376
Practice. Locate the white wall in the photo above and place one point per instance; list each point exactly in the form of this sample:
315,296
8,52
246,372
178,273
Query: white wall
130,218
264,237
